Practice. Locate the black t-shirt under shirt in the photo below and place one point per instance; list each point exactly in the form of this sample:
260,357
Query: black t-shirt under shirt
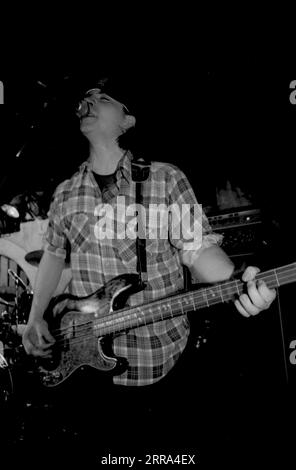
105,180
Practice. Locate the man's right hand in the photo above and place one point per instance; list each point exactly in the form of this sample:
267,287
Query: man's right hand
37,339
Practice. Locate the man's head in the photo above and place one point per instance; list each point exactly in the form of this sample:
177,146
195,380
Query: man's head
102,113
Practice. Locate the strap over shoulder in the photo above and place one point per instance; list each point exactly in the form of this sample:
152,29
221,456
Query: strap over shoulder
140,170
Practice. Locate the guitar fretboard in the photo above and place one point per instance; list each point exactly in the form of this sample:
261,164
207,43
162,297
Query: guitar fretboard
180,304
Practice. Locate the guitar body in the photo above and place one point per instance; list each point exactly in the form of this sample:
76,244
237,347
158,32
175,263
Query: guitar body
71,321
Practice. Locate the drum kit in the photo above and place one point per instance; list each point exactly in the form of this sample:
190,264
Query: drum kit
16,302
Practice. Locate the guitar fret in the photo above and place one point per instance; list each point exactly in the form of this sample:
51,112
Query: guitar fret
160,309
237,287
140,315
150,312
166,307
213,294
187,302
276,277
192,301
180,303
221,292
205,296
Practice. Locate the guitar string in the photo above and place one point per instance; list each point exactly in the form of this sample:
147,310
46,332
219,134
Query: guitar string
82,338
174,301
199,294
90,336
84,327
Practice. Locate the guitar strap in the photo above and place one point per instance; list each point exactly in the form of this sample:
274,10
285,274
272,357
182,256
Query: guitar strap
140,173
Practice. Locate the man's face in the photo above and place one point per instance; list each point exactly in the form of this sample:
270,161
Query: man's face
101,114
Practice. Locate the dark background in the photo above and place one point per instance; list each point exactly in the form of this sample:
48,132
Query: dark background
220,118
226,122
223,119
219,114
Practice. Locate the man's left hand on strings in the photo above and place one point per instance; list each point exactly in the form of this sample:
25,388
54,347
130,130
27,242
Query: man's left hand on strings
258,297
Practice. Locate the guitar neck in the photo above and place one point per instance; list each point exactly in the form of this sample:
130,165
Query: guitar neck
180,304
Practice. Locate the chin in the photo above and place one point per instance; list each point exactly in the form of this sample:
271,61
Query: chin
85,128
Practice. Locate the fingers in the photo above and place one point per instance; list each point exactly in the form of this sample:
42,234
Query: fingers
37,342
245,306
241,309
250,273
258,298
45,339
267,294
260,295
37,350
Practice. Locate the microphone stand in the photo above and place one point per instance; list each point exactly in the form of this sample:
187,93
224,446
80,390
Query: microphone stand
18,282
34,126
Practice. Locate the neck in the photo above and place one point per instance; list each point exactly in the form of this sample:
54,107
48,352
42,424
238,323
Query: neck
104,157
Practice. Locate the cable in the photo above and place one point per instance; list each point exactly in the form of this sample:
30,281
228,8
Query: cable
282,335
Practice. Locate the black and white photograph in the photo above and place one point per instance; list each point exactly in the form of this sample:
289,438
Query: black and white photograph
147,254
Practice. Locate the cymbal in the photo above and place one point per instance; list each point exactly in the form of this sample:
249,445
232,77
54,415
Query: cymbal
34,258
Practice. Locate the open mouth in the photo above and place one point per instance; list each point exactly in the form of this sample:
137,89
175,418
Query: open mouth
84,110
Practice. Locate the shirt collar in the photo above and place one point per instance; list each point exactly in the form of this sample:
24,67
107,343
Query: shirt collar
123,167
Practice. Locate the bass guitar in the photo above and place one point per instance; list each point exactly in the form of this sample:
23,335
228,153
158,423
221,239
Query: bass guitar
82,326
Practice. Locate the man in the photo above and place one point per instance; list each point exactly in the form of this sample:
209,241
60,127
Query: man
152,350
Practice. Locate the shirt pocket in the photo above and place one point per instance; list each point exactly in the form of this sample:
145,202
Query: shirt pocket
157,241
80,233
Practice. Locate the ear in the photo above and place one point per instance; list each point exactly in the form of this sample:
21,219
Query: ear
129,121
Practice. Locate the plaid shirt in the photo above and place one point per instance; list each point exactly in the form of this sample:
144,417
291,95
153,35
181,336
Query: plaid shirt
153,349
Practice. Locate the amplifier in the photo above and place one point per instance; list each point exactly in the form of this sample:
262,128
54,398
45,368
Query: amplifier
242,230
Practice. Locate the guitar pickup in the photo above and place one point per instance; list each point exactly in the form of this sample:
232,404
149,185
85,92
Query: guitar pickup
71,330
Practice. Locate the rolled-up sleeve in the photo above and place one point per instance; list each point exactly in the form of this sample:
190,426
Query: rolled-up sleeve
190,230
56,241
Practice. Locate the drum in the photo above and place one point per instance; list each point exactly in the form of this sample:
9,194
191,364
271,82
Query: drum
6,383
13,358
12,355
21,311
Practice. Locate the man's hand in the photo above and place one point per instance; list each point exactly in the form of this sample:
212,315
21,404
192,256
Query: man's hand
259,296
37,339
